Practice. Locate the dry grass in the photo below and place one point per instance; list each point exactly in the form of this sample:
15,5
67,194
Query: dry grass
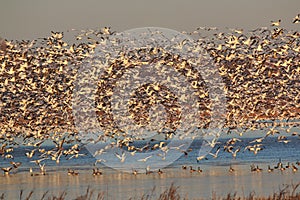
89,195
288,192
170,193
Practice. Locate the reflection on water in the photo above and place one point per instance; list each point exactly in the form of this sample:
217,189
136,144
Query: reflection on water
116,185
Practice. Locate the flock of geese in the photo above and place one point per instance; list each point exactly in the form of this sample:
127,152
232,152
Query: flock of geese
260,69
97,172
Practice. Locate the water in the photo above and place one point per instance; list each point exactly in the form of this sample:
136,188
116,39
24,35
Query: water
271,153
119,185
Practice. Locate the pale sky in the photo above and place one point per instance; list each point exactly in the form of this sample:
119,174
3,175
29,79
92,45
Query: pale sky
30,19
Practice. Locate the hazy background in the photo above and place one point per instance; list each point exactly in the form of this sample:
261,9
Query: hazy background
30,19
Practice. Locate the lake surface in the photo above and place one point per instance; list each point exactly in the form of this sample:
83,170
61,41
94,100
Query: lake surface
120,185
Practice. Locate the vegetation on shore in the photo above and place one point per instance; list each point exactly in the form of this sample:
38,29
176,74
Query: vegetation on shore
288,192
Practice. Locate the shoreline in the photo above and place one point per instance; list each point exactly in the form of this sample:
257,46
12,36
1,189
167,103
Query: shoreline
116,185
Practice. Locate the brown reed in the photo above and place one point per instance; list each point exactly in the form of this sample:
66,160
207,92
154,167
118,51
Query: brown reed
288,192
